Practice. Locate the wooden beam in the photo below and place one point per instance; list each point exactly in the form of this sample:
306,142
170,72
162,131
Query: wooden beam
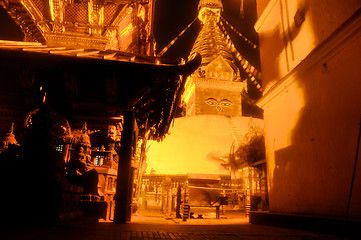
122,211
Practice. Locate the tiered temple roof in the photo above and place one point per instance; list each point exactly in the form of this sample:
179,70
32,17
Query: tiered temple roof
124,25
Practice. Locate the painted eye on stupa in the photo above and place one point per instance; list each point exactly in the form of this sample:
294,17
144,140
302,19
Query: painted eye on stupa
211,102
225,103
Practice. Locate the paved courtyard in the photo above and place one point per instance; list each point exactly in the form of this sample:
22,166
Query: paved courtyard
155,225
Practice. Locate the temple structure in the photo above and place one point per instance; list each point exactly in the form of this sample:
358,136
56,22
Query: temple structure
97,46
92,24
84,62
217,117
216,86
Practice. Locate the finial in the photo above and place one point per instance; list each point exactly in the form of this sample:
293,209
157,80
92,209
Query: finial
210,4
84,128
207,6
12,128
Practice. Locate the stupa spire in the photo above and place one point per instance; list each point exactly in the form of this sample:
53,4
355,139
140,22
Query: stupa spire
211,42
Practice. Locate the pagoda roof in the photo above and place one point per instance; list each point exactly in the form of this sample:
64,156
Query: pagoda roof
92,85
106,24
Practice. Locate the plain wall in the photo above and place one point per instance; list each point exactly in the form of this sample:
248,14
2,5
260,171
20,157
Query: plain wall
312,107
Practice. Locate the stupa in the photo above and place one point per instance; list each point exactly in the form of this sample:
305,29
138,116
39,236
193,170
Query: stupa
213,121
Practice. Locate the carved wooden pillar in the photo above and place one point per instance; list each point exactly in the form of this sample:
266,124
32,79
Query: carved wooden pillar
123,194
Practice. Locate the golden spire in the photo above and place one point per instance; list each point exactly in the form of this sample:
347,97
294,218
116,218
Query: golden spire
211,42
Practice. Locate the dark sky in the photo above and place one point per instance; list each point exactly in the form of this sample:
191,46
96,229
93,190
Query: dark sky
171,17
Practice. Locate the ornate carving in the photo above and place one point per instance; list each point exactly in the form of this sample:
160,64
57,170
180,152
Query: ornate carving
91,24
96,17
111,35
57,15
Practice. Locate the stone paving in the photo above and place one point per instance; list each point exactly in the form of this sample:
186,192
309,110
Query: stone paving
176,235
158,226
99,233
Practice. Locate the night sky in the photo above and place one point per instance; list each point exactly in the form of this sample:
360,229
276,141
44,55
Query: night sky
171,17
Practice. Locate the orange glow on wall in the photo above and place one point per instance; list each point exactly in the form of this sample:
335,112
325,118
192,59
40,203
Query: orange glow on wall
282,116
290,38
309,56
